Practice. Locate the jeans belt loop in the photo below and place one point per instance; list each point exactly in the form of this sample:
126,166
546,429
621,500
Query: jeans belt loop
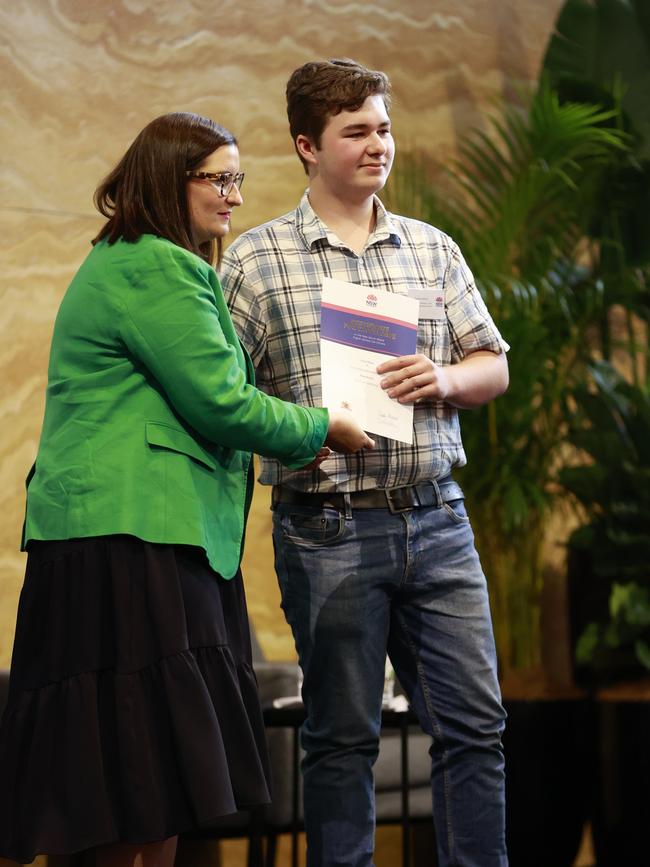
347,505
436,489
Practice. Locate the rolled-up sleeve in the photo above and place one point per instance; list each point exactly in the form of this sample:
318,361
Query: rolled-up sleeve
471,326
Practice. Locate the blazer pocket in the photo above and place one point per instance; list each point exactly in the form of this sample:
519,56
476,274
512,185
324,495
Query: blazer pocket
176,440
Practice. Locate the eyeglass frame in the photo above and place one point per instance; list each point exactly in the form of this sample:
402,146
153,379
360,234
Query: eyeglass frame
223,187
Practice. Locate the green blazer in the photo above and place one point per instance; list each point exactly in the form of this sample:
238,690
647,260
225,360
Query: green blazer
150,414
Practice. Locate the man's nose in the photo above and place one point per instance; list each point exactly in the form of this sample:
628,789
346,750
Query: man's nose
376,144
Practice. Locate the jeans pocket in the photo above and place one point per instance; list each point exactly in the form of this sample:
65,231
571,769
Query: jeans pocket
456,511
312,528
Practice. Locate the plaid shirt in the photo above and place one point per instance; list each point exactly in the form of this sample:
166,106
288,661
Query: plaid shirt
272,277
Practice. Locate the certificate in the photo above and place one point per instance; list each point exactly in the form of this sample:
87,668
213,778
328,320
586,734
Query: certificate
359,328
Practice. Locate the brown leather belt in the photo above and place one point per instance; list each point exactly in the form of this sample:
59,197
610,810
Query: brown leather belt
404,499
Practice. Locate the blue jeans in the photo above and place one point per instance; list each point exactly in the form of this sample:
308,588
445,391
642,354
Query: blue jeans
357,587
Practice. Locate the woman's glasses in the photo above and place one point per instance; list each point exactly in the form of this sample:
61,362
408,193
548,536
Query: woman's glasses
223,182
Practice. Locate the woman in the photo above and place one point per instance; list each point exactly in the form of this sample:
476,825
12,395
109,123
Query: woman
133,713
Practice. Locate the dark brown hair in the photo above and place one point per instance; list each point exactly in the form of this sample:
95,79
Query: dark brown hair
147,190
321,89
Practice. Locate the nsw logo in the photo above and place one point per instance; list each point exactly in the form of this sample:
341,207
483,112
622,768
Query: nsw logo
371,300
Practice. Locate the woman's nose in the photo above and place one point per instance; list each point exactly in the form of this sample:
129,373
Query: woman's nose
235,197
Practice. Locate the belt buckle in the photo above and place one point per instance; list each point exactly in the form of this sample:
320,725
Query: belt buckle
393,509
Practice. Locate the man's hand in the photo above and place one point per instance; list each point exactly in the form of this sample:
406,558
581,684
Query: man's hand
479,377
413,377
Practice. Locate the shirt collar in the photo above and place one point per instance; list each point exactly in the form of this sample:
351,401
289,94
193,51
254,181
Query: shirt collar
312,228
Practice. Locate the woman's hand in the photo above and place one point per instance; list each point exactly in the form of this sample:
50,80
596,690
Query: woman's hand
323,455
345,435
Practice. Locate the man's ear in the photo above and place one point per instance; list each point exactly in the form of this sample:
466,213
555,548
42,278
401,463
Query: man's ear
306,149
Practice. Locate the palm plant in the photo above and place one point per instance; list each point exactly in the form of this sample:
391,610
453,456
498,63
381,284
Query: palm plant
600,52
610,553
517,202
550,208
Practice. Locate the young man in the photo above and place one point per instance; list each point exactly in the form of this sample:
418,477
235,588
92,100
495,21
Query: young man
374,552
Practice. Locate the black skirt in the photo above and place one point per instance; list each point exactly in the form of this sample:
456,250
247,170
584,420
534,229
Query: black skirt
133,712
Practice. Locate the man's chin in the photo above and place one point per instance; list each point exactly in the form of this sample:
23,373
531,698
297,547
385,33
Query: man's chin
378,186
372,184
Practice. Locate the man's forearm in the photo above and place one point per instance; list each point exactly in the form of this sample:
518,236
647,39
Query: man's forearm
471,382
476,379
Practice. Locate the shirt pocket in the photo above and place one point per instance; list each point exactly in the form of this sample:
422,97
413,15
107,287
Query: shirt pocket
433,340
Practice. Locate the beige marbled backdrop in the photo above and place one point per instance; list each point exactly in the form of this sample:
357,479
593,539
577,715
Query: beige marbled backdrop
81,77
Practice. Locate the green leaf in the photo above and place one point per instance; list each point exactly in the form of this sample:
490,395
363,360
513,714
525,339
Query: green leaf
642,651
630,603
588,644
